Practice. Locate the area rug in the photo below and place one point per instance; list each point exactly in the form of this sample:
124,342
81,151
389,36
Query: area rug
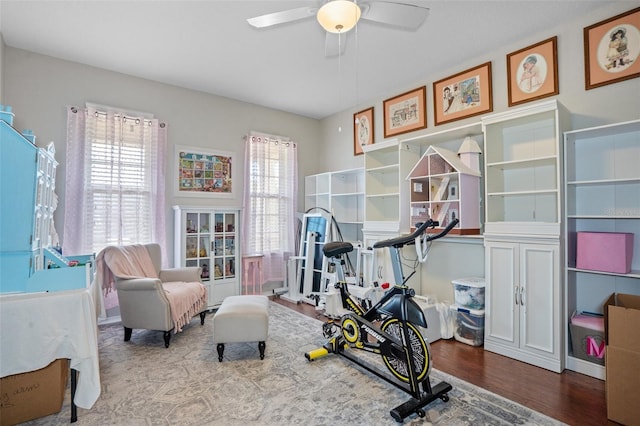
144,383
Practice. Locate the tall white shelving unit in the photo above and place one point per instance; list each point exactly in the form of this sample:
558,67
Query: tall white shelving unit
523,246
341,193
386,201
602,184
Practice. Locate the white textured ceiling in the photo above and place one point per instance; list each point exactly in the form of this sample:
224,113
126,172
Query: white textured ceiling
208,46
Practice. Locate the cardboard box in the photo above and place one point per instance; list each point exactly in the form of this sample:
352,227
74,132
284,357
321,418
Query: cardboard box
587,338
604,251
622,334
622,321
35,394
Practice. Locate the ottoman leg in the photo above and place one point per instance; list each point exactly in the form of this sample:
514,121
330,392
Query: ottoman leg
127,334
261,346
220,349
167,338
202,315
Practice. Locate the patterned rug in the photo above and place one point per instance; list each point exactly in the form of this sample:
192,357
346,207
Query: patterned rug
143,383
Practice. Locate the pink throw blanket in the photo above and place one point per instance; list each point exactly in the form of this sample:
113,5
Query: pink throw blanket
185,299
123,262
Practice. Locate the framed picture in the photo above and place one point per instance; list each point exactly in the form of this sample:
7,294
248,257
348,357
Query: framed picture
202,172
611,49
362,130
406,112
532,72
463,95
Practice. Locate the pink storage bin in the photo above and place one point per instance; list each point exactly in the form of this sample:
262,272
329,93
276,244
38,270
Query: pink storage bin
587,338
589,321
605,251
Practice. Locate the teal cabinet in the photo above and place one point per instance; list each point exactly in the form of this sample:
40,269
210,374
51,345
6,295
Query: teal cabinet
27,185
18,174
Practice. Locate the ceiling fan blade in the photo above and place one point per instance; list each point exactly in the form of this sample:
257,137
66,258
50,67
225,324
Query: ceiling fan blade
334,44
283,17
406,16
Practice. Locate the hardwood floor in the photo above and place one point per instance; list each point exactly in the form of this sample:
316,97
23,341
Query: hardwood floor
569,397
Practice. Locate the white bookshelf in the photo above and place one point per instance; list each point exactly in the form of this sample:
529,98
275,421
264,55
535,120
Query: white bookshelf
522,168
386,192
317,191
341,193
602,184
523,246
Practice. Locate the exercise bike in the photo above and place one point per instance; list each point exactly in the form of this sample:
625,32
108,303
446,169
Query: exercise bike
390,327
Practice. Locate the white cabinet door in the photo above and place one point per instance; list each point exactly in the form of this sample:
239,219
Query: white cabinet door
220,290
538,298
502,314
377,266
522,307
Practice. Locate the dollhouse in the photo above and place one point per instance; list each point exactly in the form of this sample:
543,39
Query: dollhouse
446,185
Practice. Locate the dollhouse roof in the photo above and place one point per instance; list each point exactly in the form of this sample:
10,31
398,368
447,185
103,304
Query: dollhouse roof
469,145
450,157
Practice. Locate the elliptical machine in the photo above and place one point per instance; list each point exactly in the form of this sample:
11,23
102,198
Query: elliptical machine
390,327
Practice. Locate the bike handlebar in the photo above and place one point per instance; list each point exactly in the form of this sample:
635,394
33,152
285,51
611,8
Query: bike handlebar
422,249
410,239
444,232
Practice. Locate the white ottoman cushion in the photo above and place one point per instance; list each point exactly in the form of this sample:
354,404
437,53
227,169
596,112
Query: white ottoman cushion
241,319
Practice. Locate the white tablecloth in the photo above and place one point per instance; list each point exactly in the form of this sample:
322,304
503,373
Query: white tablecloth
38,328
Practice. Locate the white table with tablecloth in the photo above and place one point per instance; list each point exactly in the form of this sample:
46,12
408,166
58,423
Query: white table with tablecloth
38,328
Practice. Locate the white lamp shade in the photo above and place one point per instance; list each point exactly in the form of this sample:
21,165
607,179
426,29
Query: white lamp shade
339,16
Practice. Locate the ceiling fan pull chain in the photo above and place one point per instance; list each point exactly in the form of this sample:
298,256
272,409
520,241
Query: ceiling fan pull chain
340,76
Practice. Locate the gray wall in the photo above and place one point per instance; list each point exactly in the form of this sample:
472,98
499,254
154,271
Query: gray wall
40,87
1,69
608,104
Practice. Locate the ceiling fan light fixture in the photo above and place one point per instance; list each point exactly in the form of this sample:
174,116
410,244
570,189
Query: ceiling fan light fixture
339,16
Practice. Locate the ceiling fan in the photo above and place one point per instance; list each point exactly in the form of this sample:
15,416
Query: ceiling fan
337,17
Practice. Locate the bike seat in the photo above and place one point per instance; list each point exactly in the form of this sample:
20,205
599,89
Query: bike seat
336,248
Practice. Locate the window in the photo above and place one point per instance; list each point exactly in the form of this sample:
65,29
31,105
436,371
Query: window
118,189
270,200
114,180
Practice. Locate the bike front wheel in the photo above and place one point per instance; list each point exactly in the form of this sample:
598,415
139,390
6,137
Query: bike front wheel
420,349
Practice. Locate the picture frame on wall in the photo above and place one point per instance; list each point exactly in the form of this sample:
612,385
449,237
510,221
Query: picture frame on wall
406,112
611,49
201,172
532,72
363,130
463,95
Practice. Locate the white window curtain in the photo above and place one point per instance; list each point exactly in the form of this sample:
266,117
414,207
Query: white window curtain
270,201
114,187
